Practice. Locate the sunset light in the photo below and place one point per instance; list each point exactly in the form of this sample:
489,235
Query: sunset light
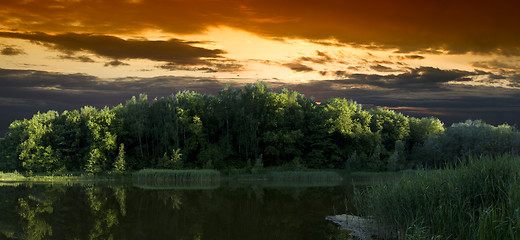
406,51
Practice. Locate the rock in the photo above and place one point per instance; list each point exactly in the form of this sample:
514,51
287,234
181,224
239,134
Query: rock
364,228
361,228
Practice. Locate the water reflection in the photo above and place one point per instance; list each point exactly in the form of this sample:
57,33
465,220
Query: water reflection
126,211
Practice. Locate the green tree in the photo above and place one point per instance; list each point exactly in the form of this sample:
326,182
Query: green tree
102,142
420,129
230,129
120,163
173,162
133,130
397,159
36,154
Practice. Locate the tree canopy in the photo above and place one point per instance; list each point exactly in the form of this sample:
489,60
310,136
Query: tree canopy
237,127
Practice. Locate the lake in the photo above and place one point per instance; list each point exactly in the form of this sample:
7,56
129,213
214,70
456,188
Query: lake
227,210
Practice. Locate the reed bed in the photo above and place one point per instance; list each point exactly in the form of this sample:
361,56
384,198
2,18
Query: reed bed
177,185
303,176
289,176
68,177
285,184
478,199
11,176
176,176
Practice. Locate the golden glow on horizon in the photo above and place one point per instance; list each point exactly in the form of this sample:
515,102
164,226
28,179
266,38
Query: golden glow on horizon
261,58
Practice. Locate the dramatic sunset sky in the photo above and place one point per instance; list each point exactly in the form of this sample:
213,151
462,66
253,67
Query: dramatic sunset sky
452,59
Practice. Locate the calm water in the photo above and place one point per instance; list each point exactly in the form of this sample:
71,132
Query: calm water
128,211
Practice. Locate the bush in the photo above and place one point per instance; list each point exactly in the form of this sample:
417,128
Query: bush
471,138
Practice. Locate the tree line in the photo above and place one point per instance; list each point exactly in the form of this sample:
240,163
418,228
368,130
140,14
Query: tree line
240,128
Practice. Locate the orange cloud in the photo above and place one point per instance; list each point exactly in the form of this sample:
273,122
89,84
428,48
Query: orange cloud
405,25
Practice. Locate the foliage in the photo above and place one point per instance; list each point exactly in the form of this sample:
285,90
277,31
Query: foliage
477,200
120,163
241,128
471,138
173,162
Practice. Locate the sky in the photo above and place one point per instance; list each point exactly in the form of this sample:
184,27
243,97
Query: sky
455,60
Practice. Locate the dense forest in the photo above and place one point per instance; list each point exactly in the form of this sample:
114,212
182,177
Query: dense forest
240,128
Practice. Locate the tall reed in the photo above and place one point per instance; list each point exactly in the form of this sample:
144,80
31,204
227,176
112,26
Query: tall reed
303,176
11,176
478,199
176,176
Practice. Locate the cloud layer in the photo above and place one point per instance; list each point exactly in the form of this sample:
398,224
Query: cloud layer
174,50
408,26
11,51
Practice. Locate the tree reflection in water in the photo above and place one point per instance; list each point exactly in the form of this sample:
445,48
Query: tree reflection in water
123,211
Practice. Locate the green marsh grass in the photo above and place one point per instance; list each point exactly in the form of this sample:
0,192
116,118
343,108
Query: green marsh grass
370,178
283,184
290,176
11,176
176,176
177,185
58,177
478,199
303,176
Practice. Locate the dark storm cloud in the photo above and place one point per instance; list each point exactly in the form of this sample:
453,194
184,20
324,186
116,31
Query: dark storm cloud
175,67
115,63
329,43
227,65
25,92
173,50
496,65
452,104
212,66
423,92
423,78
340,73
410,57
320,58
27,84
381,68
84,59
11,51
298,67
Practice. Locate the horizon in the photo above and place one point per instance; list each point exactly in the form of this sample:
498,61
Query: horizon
453,61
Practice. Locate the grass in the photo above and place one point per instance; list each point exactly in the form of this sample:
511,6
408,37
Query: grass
370,178
14,176
177,186
289,176
172,177
479,199
303,176
176,176
284,184
61,177
380,175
